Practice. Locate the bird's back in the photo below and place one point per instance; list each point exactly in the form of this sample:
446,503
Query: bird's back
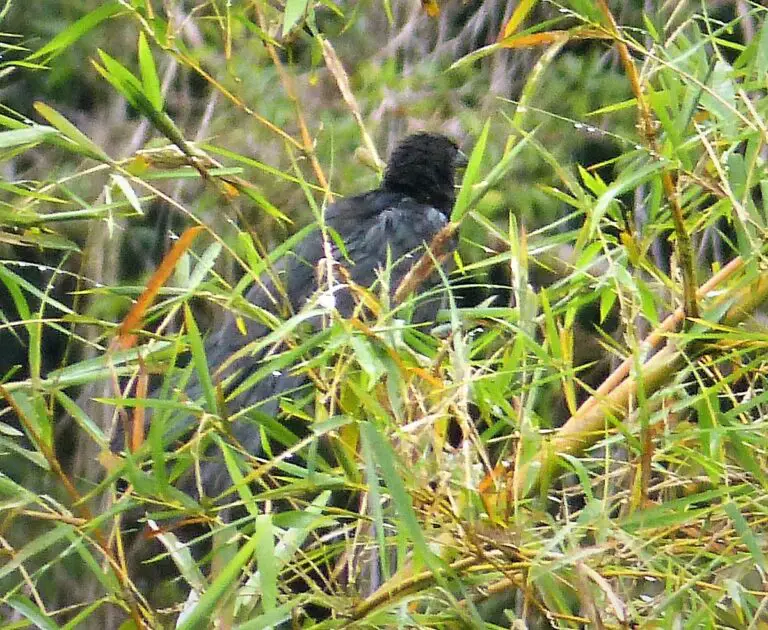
382,230
375,227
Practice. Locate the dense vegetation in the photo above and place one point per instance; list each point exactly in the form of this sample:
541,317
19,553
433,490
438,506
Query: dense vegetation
581,442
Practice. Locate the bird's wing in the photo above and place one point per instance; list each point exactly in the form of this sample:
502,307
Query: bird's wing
286,288
397,232
376,227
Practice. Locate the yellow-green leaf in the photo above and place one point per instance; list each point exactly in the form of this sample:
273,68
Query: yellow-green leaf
70,131
149,78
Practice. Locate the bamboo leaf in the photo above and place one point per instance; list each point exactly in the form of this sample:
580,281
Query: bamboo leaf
521,11
294,11
746,534
149,78
471,175
200,615
27,609
70,131
34,134
128,191
70,35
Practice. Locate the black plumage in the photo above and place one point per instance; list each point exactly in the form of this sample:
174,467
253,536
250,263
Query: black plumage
390,223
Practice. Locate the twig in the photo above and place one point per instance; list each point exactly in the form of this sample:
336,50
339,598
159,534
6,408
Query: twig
647,126
342,80
387,595
307,144
587,425
437,251
77,502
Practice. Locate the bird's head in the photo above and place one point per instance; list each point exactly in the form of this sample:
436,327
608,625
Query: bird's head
423,166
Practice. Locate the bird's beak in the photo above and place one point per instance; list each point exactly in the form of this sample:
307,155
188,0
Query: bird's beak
461,160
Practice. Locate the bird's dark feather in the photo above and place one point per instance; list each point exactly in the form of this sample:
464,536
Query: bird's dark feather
392,223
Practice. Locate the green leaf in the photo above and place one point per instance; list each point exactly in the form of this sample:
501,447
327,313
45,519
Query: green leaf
720,100
181,555
628,180
80,619
204,265
200,615
6,275
294,10
82,419
471,174
149,77
287,547
35,546
367,358
607,300
128,192
44,240
27,609
12,446
377,512
675,511
99,367
198,358
746,534
70,131
651,28
761,59
266,560
265,204
378,449
587,10
375,447
70,35
270,619
29,194
108,579
28,135
552,335
614,107
92,212
120,77
13,286
475,55
521,11
647,302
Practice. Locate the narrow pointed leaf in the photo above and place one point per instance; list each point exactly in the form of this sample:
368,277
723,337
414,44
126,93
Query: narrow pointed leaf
70,131
149,77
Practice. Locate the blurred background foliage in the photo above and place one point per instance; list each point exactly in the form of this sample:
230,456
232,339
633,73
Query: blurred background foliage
127,121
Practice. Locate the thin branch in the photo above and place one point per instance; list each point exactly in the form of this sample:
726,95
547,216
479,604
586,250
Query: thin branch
438,250
587,425
77,502
307,145
648,127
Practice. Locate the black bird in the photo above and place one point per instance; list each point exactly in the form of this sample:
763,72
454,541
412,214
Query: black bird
390,223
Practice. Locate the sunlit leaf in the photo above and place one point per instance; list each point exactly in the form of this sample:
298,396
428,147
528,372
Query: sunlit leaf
545,38
431,8
294,11
70,131
521,11
71,34
149,78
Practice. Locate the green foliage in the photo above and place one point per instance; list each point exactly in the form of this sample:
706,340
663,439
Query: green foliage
127,122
